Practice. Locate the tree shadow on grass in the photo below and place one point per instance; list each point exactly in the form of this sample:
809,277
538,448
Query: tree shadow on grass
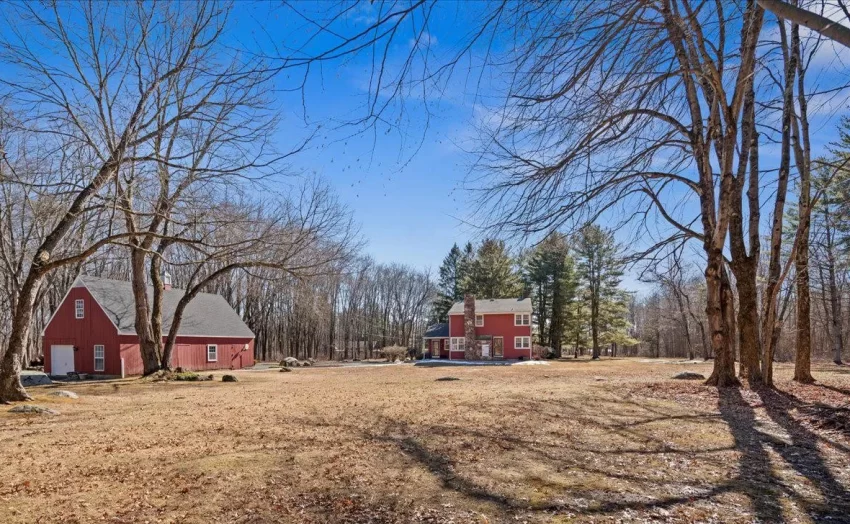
755,478
804,456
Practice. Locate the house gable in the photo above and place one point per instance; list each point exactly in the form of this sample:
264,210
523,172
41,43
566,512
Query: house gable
95,328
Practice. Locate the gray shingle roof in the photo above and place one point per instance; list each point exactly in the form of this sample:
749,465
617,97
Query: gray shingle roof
437,331
207,314
495,305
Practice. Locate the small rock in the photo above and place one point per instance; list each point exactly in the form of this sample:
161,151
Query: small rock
306,363
228,378
447,379
65,394
29,408
599,379
688,375
285,370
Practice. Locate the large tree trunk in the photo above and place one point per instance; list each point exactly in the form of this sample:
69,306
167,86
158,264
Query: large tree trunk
745,265
802,154
720,311
11,389
147,343
770,328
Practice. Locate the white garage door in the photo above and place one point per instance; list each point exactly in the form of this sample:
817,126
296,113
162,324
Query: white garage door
61,360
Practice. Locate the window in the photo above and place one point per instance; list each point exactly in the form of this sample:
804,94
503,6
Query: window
479,320
99,358
458,343
212,353
80,308
522,342
522,319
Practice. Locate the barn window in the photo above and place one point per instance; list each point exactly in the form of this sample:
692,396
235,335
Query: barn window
458,343
212,353
479,320
522,319
522,342
80,308
99,358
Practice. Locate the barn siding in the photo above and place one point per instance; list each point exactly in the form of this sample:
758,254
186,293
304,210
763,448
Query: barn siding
497,325
190,353
83,334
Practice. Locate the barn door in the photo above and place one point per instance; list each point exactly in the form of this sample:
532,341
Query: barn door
61,360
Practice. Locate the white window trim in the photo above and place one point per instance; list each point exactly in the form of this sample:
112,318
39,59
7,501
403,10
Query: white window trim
457,344
102,358
215,347
476,321
519,345
79,308
519,319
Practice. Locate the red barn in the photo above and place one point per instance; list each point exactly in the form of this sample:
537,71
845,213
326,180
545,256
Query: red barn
93,331
502,326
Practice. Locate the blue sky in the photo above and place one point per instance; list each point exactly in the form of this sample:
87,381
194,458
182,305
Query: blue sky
404,185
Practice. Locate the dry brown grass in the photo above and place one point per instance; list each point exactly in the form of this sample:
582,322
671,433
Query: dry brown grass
569,442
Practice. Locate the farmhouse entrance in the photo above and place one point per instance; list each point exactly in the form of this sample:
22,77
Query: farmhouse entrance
498,347
435,349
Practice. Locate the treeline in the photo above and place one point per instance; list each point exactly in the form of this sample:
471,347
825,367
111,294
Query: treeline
573,281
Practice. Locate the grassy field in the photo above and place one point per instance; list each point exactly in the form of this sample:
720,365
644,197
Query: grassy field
578,441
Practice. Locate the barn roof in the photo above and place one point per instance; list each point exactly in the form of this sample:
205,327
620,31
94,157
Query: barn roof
208,314
495,305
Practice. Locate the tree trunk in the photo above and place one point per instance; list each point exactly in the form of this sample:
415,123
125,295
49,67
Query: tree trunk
720,310
147,344
802,154
837,333
11,389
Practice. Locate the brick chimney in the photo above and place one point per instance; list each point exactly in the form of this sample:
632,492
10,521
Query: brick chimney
472,351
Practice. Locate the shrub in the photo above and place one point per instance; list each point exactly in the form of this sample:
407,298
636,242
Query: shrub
541,352
393,353
186,376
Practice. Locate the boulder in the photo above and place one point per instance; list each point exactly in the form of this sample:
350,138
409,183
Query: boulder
30,409
289,362
285,370
34,378
64,394
228,378
306,363
689,375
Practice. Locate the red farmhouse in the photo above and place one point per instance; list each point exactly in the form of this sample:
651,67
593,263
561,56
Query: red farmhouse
502,329
93,331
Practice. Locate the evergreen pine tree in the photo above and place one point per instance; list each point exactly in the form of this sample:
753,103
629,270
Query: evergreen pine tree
601,267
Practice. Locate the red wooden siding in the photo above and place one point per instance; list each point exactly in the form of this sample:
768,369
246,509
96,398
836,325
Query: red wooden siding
83,334
190,353
96,328
496,325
